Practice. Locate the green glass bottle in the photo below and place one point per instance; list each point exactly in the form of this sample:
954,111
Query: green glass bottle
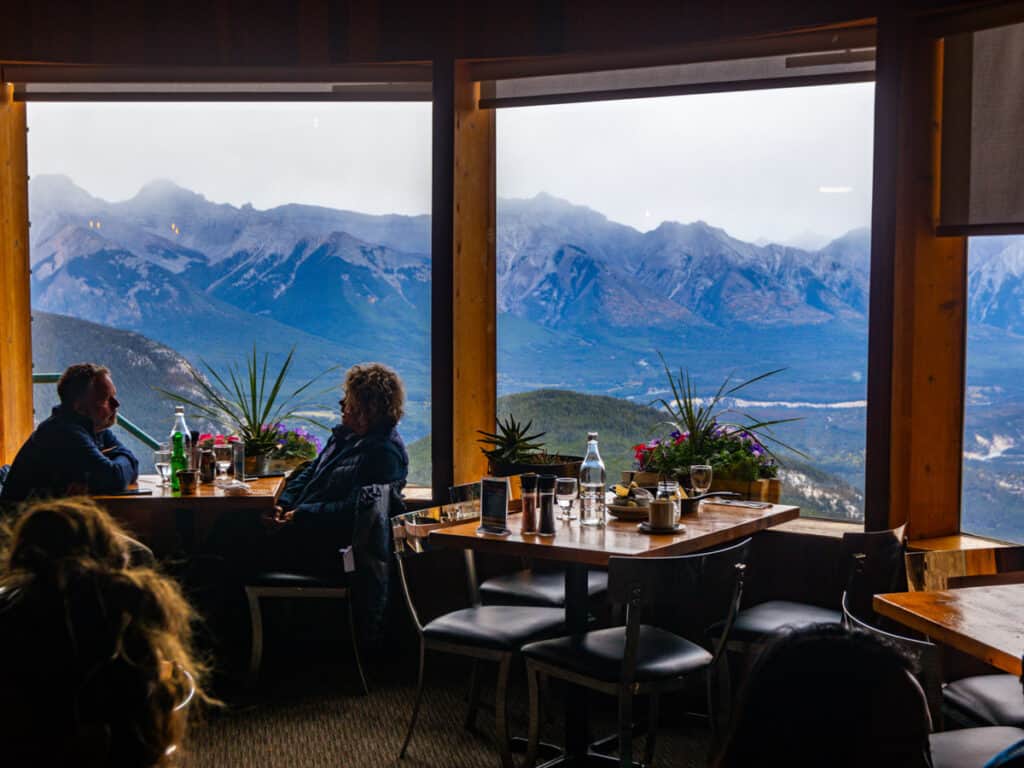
178,460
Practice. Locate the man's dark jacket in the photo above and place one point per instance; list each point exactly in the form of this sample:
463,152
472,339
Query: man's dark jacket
64,450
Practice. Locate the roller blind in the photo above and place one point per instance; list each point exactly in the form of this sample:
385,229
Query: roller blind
982,185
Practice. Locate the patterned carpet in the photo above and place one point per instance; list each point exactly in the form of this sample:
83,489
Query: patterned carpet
311,717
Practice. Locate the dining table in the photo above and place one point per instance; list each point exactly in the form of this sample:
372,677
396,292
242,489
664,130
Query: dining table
173,523
983,622
581,548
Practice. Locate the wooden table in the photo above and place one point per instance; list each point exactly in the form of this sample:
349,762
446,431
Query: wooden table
984,622
178,524
581,547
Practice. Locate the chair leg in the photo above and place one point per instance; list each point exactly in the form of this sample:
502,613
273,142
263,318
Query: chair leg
256,636
718,700
473,698
533,677
501,713
355,647
416,705
625,728
652,730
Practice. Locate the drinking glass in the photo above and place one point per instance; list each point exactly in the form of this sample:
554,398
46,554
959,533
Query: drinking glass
223,455
700,478
565,494
162,462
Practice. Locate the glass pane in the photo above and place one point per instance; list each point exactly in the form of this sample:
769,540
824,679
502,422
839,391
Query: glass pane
726,233
993,477
174,235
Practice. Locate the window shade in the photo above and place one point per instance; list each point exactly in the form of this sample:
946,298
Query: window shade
982,185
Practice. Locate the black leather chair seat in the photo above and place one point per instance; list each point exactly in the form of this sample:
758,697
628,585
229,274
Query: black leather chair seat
599,654
541,588
503,628
286,579
971,747
987,699
760,621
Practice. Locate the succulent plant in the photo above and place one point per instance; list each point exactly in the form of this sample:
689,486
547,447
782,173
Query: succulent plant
511,442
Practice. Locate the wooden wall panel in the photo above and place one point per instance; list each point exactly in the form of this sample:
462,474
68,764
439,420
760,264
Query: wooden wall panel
15,307
475,288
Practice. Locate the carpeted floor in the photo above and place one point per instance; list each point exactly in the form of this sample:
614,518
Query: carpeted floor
307,716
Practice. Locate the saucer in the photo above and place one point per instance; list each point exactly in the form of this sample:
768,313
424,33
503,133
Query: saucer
645,527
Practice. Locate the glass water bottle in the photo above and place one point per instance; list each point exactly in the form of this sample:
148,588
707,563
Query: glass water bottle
592,484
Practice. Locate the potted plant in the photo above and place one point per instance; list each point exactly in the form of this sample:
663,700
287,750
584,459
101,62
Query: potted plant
703,432
295,446
513,451
242,401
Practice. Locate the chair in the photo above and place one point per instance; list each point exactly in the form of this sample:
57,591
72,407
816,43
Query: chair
480,632
526,587
641,659
881,557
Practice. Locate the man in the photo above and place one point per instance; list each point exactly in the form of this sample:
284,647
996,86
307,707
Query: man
74,451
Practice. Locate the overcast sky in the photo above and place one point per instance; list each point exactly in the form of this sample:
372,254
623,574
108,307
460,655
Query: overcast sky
778,165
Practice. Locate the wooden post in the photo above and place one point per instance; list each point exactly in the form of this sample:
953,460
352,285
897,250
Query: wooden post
474,283
929,294
15,308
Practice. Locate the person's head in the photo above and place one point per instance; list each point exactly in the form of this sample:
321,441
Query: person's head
828,696
98,654
374,397
88,390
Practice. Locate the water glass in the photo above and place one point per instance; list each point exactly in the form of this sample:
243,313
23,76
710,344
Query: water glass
238,458
668,490
224,455
162,462
565,494
700,478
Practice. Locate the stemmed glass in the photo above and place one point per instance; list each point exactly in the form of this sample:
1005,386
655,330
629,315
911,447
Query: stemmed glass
565,494
700,478
222,454
162,462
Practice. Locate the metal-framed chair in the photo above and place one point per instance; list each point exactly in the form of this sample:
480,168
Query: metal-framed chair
482,633
642,659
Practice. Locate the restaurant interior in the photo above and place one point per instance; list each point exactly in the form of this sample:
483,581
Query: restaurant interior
499,606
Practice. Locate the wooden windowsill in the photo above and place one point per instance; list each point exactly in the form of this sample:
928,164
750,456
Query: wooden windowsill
959,541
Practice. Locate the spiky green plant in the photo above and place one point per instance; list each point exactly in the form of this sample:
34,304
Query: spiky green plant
241,401
511,442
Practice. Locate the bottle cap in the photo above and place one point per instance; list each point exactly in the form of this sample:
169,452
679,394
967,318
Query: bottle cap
528,482
591,436
545,483
179,409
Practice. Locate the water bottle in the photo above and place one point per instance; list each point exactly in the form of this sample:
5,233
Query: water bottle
182,427
179,462
592,484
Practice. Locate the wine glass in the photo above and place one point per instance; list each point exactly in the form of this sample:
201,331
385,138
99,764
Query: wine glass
162,462
700,478
222,454
565,494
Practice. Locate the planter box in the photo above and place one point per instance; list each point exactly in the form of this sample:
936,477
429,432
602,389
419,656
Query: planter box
755,490
569,466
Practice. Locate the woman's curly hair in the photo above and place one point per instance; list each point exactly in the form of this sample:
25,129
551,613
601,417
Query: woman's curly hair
99,654
378,391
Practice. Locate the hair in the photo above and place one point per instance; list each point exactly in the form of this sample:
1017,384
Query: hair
76,380
98,654
826,695
378,391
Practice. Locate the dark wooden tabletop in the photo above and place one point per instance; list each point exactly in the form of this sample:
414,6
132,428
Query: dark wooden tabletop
712,526
263,491
984,622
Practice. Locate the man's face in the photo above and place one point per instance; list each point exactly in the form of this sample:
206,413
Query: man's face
100,403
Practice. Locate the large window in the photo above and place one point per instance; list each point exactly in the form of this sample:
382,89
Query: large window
726,232
993,470
169,234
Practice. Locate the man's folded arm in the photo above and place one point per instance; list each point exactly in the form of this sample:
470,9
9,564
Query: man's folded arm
112,468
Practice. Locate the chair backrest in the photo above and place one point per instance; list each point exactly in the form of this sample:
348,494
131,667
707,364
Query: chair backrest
464,492
933,570
925,653
873,563
703,588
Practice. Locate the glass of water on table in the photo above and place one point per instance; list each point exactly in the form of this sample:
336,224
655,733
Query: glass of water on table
223,454
162,462
566,491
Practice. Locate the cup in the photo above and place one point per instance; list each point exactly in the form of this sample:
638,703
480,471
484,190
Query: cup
238,460
661,514
188,481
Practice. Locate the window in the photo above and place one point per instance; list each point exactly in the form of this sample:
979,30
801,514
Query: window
726,232
173,233
993,470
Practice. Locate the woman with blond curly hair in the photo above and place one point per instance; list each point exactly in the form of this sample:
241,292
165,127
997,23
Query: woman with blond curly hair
98,663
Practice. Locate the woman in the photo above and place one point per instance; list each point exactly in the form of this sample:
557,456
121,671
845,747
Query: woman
97,654
317,505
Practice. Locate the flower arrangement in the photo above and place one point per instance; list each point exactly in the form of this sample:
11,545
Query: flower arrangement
296,444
